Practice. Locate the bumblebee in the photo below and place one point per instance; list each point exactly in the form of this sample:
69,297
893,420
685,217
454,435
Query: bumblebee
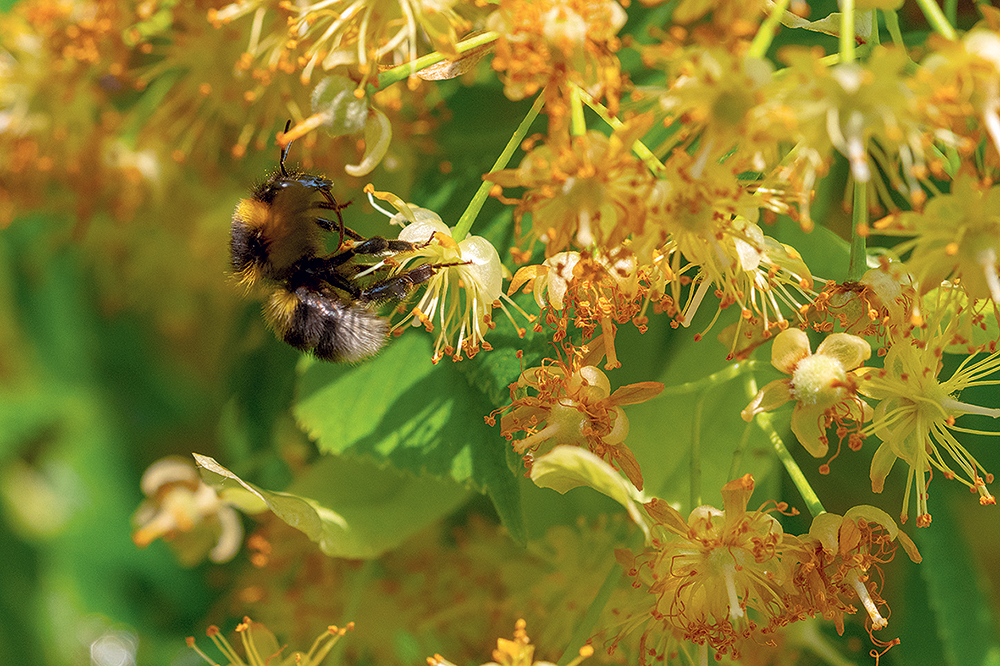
325,303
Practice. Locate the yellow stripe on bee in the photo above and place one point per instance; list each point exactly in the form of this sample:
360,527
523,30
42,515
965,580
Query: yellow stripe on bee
280,309
247,277
254,214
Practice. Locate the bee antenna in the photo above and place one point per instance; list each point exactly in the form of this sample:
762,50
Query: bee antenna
284,151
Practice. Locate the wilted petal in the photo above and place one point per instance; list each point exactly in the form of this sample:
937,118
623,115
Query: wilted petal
666,515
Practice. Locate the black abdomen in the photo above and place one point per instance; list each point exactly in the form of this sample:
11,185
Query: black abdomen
320,322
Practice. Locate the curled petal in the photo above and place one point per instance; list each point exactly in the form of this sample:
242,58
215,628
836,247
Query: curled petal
735,496
633,394
167,470
378,134
825,528
423,227
882,463
619,431
772,396
850,350
873,514
666,515
230,536
524,275
790,346
484,265
806,426
592,377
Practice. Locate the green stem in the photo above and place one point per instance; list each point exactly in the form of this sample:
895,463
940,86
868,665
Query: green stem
892,25
765,34
585,628
639,148
400,72
794,471
734,466
731,371
847,36
577,124
935,17
876,39
951,11
695,468
476,205
859,220
359,589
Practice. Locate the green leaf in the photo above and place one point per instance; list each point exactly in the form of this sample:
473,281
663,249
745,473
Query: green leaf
965,623
567,467
692,416
826,254
351,508
401,409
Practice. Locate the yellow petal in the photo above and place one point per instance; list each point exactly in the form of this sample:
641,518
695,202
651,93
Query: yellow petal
882,462
825,528
850,350
635,393
772,396
523,275
736,495
790,346
806,426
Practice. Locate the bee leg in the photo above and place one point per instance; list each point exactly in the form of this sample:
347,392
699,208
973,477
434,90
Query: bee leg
397,287
329,225
379,245
331,204
371,246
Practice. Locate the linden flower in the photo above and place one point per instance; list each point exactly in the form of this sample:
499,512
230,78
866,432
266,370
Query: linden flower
752,271
916,415
187,512
736,15
462,293
262,649
336,33
597,291
964,73
840,552
866,111
706,226
517,652
820,383
707,572
573,405
956,237
882,301
718,97
544,43
586,190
